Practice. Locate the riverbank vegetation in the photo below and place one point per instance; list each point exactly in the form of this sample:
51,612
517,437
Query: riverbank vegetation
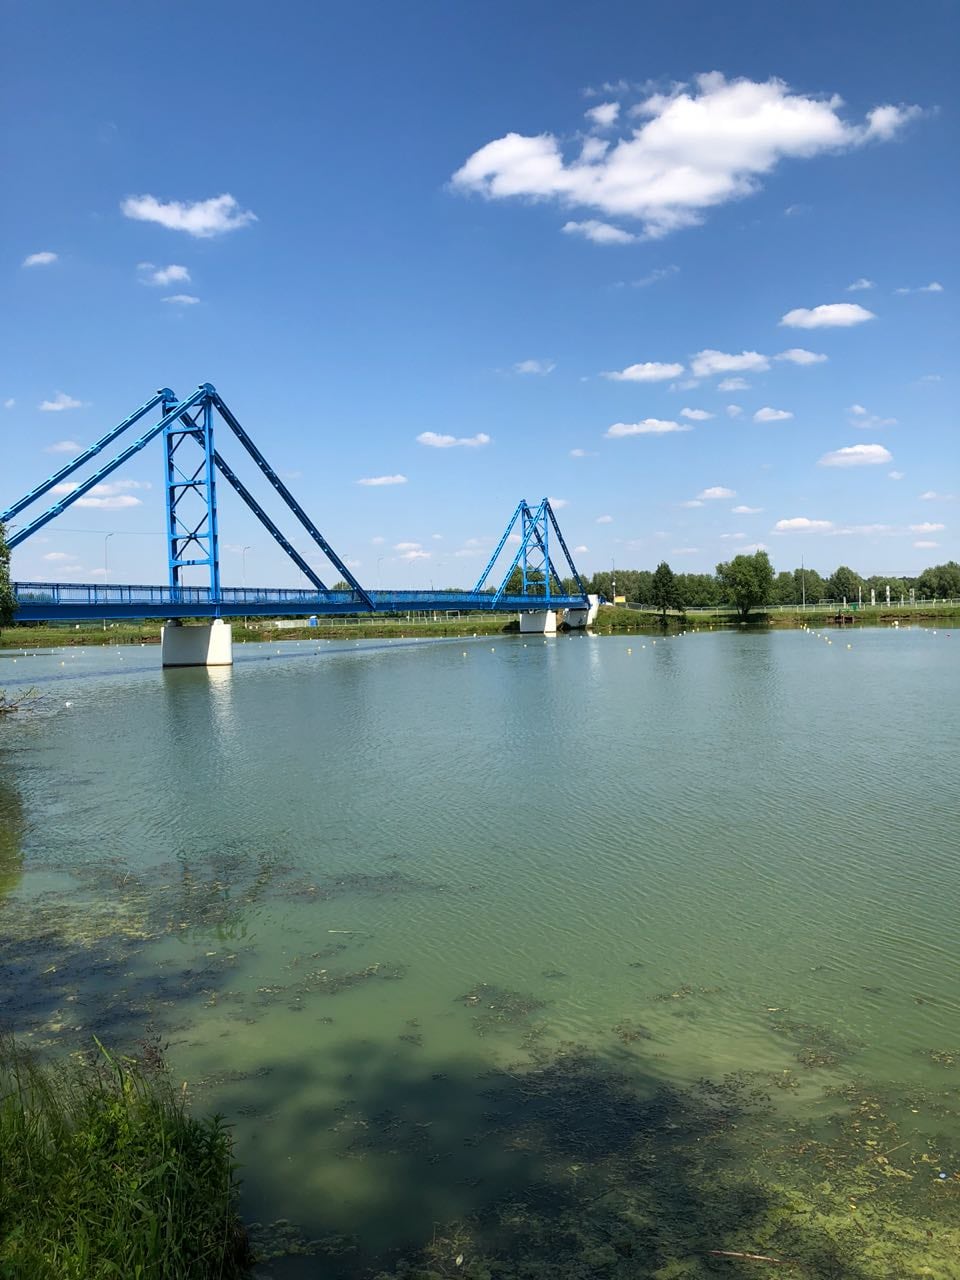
104,1173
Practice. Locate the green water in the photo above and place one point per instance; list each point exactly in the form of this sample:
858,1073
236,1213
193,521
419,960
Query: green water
717,857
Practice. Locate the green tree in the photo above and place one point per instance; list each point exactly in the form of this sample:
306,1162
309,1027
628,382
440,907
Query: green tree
7,602
746,581
514,585
809,587
941,580
784,589
843,584
666,592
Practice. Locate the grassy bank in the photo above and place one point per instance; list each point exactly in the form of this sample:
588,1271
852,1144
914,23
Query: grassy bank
104,1173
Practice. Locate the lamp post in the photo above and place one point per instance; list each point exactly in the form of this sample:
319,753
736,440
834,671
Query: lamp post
106,539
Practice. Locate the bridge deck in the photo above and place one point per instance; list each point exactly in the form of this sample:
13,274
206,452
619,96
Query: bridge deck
77,601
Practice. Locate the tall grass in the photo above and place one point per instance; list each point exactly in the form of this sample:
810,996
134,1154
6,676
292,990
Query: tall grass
103,1173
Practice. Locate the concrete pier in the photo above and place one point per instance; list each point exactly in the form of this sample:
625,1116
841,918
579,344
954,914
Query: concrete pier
541,622
205,645
577,619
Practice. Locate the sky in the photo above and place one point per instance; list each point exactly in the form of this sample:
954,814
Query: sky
689,270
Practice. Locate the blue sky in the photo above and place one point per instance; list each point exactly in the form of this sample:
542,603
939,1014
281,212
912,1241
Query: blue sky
561,236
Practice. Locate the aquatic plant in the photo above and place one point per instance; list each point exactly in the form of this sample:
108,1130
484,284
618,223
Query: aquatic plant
104,1173
499,1007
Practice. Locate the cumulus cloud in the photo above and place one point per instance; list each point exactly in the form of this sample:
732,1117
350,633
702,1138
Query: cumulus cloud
60,402
62,446
733,384
933,287
649,371
857,455
56,556
862,283
734,411
604,520
717,491
113,495
708,362
599,232
692,502
801,524
829,315
182,299
895,475
688,151
861,417
931,495
376,481
582,453
200,218
173,274
696,415
648,427
766,414
42,259
581,550
799,355
927,527
434,440
535,366
559,503
746,511
604,114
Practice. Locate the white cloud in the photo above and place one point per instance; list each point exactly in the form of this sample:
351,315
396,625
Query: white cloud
649,371
648,427
535,366
604,520
801,524
931,377
603,115
799,355
182,299
692,502
59,402
861,417
828,315
581,550
895,475
733,384
717,491
59,555
734,411
862,283
685,551
116,502
201,218
691,150
559,503
9,402
599,232
746,511
933,287
923,542
437,537
173,274
378,541
582,453
435,441
931,495
42,259
658,273
414,555
766,414
927,527
108,489
732,537
696,415
63,446
375,481
857,455
708,362
407,546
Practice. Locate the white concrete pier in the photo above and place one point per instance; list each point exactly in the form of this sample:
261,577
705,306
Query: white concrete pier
205,645
541,622
577,619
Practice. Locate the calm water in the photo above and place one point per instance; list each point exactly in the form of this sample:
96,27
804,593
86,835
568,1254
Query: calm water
715,855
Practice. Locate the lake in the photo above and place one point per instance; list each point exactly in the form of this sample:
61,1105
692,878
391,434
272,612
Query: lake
591,955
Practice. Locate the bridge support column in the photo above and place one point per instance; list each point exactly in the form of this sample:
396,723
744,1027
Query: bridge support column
206,645
577,619
542,622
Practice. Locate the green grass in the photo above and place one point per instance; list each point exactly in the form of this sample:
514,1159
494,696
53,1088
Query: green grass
103,1173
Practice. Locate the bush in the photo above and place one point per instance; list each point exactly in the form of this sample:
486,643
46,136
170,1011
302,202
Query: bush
104,1173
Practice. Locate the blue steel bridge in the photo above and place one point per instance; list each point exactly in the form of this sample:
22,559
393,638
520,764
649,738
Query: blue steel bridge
192,465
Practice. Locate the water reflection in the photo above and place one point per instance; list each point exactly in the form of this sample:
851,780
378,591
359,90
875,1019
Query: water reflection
12,825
